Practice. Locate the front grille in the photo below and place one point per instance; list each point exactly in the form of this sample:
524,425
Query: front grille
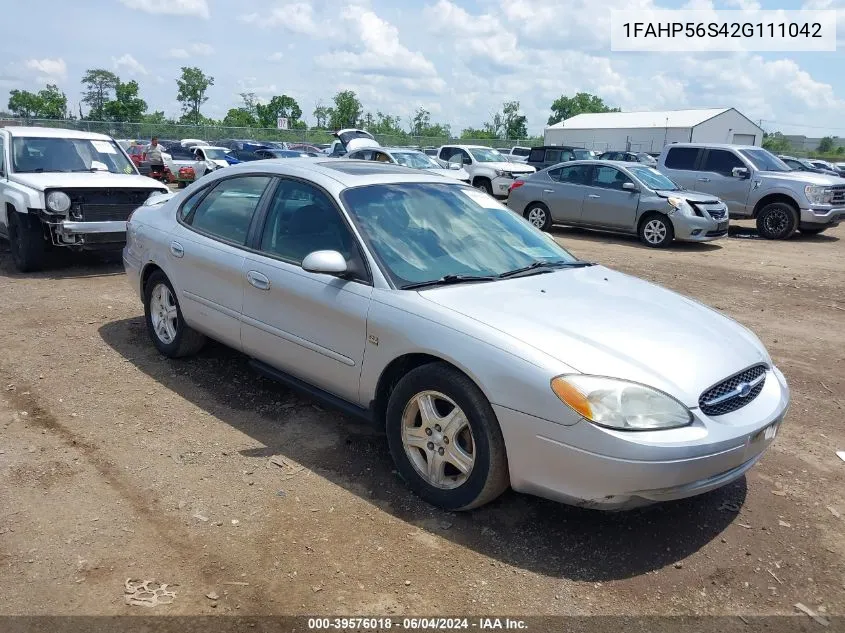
106,204
717,214
838,194
731,385
716,233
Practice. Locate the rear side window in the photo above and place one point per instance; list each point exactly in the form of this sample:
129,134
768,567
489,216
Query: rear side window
536,156
447,152
681,158
552,155
575,175
226,212
721,161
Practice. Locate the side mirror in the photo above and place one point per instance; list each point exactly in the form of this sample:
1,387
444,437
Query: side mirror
325,262
456,162
629,186
454,165
740,172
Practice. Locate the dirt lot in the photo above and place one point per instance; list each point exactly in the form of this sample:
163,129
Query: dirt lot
116,463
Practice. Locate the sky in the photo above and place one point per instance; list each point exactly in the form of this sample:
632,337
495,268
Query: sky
459,59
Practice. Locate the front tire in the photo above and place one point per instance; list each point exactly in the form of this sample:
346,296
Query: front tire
26,241
484,185
656,230
539,215
165,324
777,221
445,439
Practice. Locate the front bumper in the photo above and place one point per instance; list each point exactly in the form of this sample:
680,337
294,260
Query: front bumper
68,227
588,466
821,216
698,229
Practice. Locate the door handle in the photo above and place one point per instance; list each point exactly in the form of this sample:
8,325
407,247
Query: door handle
593,195
548,190
703,180
176,249
258,280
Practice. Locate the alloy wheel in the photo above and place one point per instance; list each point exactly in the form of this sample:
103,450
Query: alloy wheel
537,217
654,231
438,439
776,221
163,314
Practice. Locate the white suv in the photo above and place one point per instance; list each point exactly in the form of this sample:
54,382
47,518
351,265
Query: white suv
69,189
488,169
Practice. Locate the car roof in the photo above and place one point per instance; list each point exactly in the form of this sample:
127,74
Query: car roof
713,146
53,132
556,147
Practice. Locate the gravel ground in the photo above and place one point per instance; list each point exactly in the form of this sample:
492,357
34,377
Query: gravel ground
117,463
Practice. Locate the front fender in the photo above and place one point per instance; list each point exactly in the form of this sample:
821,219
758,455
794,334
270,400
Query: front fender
759,193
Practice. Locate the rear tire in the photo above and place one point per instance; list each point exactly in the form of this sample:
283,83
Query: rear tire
656,230
26,241
165,324
777,221
539,215
427,456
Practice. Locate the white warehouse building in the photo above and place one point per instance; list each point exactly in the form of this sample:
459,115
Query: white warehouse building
650,131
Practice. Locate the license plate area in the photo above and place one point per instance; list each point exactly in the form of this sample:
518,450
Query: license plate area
765,435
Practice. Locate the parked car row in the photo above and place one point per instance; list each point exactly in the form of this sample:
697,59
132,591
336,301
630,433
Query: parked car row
689,194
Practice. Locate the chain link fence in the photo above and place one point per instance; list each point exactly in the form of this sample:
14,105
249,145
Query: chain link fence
211,133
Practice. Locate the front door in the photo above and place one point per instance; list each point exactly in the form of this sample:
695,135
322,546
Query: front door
607,204
206,254
715,177
309,325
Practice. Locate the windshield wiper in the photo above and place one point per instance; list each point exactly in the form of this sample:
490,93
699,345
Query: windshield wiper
539,267
447,280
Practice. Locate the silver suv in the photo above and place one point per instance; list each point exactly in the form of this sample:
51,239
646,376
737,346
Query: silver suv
754,183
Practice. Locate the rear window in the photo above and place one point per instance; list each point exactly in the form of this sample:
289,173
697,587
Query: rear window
520,151
681,158
536,155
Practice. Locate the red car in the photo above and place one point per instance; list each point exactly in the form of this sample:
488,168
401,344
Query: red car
137,153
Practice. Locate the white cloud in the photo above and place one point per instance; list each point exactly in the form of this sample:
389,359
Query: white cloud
198,8
297,17
50,69
379,51
129,64
276,57
745,5
197,49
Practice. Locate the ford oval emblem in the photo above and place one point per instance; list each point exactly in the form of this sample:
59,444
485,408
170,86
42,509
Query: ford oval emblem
744,389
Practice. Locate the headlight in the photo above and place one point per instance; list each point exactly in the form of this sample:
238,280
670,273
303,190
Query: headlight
500,172
211,166
620,404
679,204
58,201
817,194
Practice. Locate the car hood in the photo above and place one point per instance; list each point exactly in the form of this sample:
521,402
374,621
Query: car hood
220,162
803,177
58,180
599,321
517,168
692,196
457,174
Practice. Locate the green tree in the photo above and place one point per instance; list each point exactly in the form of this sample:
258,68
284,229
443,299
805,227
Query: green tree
127,106
155,118
346,112
279,106
514,123
583,102
193,86
421,125
387,124
322,114
53,103
98,86
474,133
239,117
840,150
24,104
826,145
776,143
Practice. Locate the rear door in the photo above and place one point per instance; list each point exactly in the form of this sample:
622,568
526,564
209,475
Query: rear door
681,164
715,176
206,254
563,192
607,204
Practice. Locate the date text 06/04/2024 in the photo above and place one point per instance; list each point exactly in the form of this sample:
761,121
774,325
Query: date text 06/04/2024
416,624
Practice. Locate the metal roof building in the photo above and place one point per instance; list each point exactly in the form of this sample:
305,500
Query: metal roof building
650,131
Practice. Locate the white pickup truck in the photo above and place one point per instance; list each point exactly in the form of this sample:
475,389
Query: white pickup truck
65,189
488,169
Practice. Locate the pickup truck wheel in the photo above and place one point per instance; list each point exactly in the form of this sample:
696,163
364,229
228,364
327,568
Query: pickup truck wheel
26,241
777,221
484,185
168,330
445,439
656,230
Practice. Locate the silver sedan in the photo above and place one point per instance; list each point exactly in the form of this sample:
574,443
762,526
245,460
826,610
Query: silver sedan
618,196
491,356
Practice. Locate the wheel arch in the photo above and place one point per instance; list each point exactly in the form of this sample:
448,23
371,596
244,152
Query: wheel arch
650,212
772,198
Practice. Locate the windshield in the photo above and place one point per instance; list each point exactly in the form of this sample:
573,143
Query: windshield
32,154
423,232
216,154
653,179
487,155
764,160
417,160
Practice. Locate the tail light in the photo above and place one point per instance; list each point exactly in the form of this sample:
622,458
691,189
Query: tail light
516,185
